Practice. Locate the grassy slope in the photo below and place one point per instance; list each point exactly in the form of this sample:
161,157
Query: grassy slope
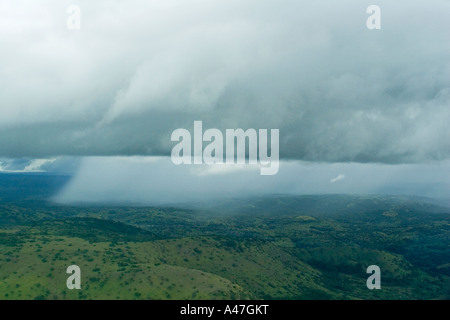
109,271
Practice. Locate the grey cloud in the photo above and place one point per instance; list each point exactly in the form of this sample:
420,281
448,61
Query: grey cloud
137,70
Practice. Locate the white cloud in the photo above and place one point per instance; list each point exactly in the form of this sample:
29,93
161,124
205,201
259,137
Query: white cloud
36,164
26,165
338,178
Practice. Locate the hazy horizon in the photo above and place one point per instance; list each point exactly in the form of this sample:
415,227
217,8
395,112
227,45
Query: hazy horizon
156,181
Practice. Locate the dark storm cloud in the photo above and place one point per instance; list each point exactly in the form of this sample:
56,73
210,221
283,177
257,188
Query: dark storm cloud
137,70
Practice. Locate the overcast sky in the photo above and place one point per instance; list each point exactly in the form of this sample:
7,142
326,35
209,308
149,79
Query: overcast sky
136,70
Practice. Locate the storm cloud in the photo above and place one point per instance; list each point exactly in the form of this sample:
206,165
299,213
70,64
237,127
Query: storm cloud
137,70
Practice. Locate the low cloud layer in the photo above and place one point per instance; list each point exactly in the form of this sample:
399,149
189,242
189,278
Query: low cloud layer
137,70
155,180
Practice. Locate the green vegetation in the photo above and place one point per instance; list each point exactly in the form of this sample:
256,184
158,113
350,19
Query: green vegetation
308,247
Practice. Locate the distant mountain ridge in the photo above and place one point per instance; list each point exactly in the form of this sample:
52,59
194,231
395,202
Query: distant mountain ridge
323,204
30,186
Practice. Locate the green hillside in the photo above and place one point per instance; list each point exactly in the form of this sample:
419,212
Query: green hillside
261,248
